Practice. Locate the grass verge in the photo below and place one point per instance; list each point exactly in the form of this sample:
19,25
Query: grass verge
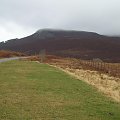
32,91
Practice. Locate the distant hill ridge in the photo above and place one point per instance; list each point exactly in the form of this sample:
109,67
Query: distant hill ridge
70,43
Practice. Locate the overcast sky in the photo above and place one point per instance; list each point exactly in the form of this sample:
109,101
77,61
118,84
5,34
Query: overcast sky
19,18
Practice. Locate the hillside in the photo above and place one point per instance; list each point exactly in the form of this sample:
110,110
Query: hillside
79,44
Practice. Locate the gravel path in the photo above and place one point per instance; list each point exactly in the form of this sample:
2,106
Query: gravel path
9,59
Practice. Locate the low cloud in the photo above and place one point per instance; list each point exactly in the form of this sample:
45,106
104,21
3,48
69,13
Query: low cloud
20,18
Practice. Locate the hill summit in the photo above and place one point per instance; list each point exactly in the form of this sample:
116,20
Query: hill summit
69,43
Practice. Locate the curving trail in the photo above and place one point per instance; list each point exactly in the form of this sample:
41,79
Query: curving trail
9,59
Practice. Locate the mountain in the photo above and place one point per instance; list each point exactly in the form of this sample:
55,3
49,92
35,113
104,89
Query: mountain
79,44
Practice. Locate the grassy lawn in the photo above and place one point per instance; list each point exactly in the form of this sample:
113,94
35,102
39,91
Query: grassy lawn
32,91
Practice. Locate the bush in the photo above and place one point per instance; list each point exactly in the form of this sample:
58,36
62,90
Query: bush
7,54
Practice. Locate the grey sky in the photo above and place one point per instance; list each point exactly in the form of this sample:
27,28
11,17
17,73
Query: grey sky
19,18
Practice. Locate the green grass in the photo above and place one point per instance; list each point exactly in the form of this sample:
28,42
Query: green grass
32,91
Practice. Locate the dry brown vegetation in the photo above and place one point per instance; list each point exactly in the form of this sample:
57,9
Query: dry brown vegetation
112,69
7,54
32,58
47,59
109,85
